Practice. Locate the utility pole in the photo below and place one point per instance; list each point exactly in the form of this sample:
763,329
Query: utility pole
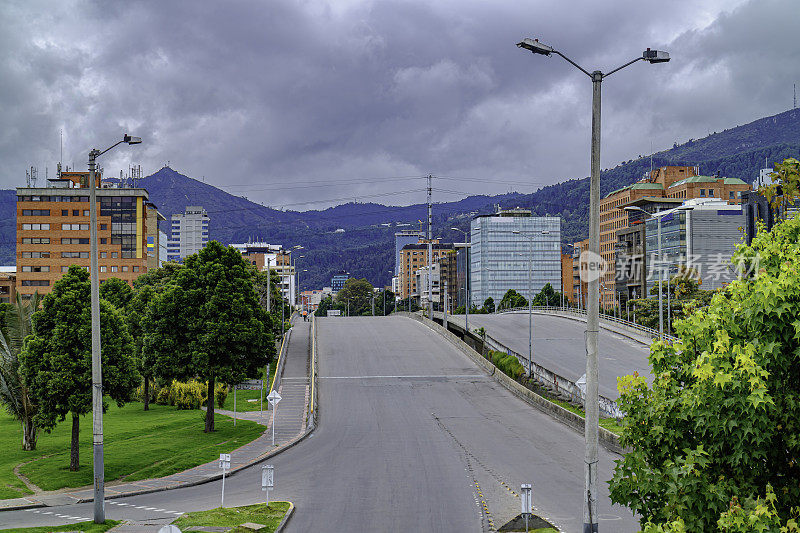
430,251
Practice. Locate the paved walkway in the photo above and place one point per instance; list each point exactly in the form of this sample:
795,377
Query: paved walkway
290,426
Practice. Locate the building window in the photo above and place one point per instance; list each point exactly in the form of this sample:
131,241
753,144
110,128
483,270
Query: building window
36,269
64,269
74,227
75,255
136,269
86,212
34,255
103,255
103,269
74,241
36,212
114,269
36,240
76,212
114,255
36,226
65,212
103,226
124,268
711,193
103,241
35,283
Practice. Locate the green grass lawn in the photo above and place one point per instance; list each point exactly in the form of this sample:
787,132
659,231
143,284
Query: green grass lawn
243,395
84,527
138,445
607,423
233,516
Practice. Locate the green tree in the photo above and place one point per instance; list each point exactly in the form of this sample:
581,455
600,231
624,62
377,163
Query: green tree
116,292
384,296
785,187
325,305
722,417
488,305
548,296
15,395
358,292
157,277
208,323
512,299
136,319
57,358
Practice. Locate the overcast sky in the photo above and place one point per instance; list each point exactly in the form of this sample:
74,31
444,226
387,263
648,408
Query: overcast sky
302,103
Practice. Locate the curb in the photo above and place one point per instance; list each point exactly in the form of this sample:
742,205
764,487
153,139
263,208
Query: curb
609,440
286,518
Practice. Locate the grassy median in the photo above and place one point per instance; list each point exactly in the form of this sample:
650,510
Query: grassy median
83,527
270,517
248,400
138,445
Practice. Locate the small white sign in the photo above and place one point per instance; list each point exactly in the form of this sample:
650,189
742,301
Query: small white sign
274,397
225,461
334,312
526,498
251,384
267,477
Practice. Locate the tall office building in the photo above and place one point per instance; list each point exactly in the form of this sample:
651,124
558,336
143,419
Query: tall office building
499,257
53,231
188,233
265,256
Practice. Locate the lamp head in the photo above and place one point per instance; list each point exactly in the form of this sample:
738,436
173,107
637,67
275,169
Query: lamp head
535,46
655,56
131,140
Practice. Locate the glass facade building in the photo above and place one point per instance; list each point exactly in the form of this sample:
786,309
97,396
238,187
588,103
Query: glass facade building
499,258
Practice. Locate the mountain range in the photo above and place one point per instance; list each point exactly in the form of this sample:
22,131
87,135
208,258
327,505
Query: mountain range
366,246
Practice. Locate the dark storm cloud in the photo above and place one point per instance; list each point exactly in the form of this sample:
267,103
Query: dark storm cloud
260,97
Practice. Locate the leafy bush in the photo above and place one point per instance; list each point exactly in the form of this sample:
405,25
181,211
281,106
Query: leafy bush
138,395
190,395
722,417
220,394
163,396
508,364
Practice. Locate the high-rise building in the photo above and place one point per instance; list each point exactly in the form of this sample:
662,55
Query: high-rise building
53,232
265,256
8,286
499,257
680,182
188,233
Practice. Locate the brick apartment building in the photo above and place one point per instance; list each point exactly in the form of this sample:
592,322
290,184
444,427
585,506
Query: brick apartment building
412,258
679,182
53,232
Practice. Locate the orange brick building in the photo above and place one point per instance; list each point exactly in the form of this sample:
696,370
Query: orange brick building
412,258
53,232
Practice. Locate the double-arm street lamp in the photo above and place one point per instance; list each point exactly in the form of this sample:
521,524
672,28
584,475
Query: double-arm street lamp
97,371
593,311
530,237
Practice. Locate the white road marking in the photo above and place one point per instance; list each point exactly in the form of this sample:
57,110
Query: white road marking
410,376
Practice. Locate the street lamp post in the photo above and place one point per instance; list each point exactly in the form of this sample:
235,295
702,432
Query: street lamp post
467,246
530,293
593,311
658,217
97,370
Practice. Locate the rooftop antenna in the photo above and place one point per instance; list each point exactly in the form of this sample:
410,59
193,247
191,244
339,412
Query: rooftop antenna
34,172
61,157
27,178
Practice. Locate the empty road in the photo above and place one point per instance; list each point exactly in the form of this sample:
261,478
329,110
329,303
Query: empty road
411,437
559,346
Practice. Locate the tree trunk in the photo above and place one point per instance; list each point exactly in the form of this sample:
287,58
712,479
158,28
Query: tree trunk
74,460
210,406
28,435
146,393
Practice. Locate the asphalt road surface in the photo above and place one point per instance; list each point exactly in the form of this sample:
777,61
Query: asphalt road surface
559,345
411,437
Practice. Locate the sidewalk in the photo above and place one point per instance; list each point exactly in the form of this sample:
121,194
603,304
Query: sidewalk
290,428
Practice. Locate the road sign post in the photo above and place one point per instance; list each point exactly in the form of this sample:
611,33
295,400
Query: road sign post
267,480
225,465
273,398
526,497
234,404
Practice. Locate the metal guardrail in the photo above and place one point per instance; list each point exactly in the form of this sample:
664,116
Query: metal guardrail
652,333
